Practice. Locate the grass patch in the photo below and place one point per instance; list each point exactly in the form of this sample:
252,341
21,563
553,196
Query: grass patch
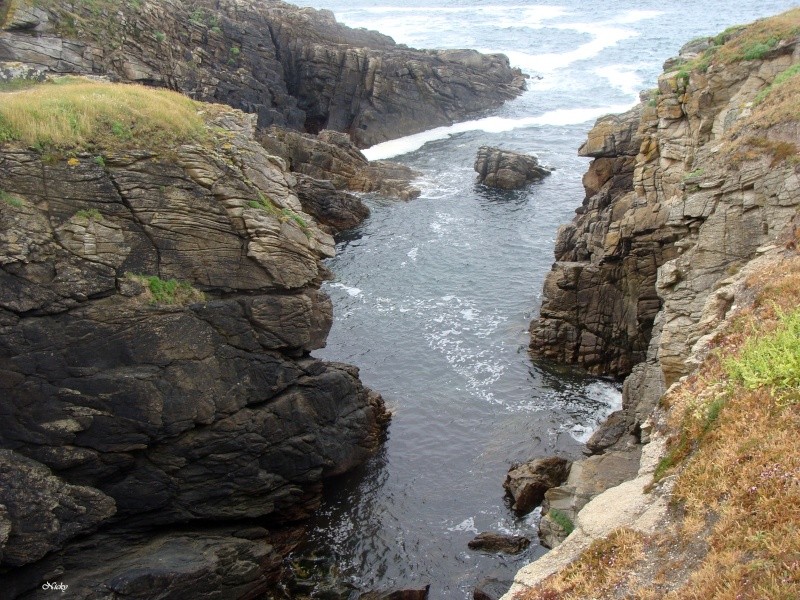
746,42
168,291
561,519
85,114
771,361
11,199
599,571
782,78
91,214
283,214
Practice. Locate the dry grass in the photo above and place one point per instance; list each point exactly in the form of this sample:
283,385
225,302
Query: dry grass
771,129
600,570
76,113
735,456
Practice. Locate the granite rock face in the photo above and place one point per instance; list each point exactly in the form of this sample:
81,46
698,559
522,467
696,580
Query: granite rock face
686,193
507,170
295,67
140,410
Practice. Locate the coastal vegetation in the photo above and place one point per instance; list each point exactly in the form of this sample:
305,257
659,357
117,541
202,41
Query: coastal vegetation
733,457
168,291
76,113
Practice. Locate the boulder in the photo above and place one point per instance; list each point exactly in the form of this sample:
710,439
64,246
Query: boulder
333,209
527,483
507,170
490,588
408,594
490,541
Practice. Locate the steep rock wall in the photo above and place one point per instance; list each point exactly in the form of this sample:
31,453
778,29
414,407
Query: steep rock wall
137,409
292,67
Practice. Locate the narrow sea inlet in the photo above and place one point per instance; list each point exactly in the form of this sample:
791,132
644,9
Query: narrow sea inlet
433,297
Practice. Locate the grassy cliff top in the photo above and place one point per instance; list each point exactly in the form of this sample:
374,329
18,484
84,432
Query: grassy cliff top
78,113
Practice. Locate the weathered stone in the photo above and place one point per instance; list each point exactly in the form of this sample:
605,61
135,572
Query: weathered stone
587,478
507,170
490,588
527,483
41,512
609,432
131,411
294,67
331,156
490,541
333,209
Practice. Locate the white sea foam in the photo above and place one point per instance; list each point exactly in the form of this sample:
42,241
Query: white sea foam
412,254
465,525
352,291
622,77
564,116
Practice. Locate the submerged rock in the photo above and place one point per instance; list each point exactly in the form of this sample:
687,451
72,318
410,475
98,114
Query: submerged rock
507,170
527,483
409,594
490,541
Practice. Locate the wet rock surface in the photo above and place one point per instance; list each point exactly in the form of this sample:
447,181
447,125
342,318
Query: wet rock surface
507,170
125,409
527,483
490,541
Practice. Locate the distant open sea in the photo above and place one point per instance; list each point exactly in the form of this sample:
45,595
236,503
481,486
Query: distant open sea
433,297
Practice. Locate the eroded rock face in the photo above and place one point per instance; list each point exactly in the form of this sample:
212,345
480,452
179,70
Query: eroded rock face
144,410
663,221
507,170
331,156
490,541
295,67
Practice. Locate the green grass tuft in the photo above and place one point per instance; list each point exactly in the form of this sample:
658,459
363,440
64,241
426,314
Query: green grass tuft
562,520
170,291
11,200
91,214
86,114
771,360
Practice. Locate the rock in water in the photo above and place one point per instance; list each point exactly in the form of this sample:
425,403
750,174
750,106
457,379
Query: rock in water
528,482
490,541
507,170
409,594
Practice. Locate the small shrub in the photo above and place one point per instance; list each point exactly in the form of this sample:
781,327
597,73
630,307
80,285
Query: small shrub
562,520
10,199
771,360
759,49
160,36
100,161
169,291
91,214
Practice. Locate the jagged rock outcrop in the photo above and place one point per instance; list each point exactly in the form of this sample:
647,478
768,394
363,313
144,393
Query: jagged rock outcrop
691,195
331,156
140,401
295,67
507,170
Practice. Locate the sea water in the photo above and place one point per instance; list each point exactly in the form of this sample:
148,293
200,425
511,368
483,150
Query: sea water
433,297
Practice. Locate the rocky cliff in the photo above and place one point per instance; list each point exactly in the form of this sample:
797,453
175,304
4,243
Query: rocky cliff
691,196
157,309
293,67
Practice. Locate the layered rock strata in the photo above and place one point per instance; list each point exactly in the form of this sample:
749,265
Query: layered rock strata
331,156
157,310
295,67
691,193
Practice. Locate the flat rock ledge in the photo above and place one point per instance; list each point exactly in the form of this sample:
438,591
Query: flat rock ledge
507,170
